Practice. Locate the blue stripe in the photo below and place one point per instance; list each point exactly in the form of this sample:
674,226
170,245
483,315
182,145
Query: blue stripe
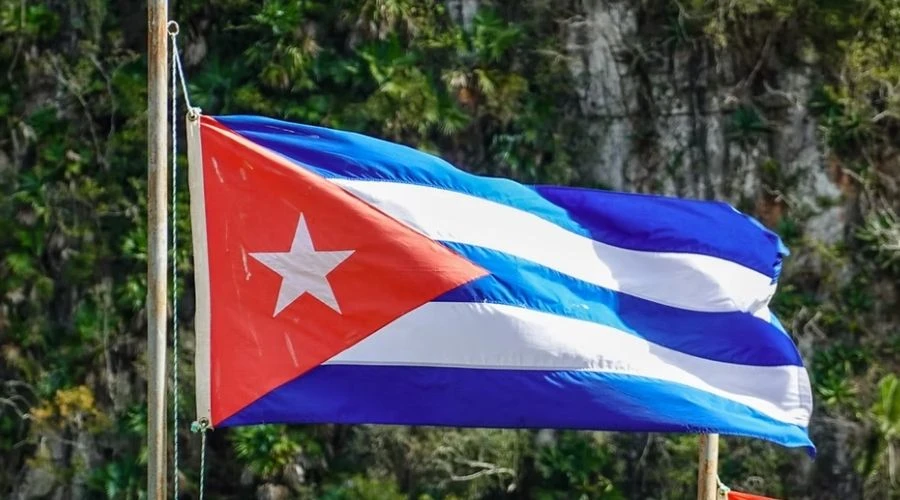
462,397
730,337
649,222
639,222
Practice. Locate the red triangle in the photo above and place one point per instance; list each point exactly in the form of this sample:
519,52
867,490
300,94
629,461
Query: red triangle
253,200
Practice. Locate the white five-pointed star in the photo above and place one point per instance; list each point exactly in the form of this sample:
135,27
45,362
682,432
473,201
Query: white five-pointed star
303,269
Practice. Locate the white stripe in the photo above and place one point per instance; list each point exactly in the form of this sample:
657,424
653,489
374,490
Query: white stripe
490,336
685,280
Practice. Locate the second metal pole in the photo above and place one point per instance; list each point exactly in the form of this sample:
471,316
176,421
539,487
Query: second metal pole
157,246
708,473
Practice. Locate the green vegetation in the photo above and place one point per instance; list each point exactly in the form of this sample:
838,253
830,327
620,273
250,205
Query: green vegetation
495,97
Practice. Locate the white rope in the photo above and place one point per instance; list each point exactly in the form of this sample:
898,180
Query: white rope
723,489
173,33
176,63
200,426
202,464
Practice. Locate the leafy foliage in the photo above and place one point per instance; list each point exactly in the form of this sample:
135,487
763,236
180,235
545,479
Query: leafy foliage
265,449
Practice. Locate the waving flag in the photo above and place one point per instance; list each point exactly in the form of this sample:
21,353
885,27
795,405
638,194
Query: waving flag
344,279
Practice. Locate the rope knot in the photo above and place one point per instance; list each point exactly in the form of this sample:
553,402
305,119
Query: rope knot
201,425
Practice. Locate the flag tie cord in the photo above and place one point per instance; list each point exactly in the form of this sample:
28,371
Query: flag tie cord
723,488
202,425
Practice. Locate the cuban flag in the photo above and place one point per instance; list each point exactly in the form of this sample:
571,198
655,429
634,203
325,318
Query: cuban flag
345,279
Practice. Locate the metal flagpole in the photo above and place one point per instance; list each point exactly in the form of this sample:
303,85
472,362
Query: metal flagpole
708,472
157,246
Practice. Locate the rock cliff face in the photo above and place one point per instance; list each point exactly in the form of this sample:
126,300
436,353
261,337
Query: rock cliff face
687,118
